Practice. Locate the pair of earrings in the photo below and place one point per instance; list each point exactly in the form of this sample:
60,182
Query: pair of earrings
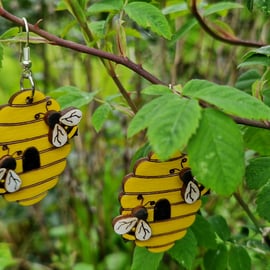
34,140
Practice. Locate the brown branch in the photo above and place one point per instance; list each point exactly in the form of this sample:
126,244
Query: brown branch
54,40
228,38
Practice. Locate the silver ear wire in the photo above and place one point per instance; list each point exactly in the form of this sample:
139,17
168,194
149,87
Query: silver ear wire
26,62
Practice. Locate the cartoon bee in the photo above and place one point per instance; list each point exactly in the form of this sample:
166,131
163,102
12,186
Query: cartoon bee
191,190
63,125
9,180
134,223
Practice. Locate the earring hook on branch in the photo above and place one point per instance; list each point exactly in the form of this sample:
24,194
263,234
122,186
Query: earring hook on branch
27,64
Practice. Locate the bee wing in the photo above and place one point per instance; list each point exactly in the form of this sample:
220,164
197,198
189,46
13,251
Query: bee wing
71,118
13,181
59,136
143,231
192,193
2,173
124,224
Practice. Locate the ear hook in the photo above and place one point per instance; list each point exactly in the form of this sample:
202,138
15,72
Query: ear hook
26,62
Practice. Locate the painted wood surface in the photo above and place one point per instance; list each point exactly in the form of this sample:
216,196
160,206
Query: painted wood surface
157,187
27,149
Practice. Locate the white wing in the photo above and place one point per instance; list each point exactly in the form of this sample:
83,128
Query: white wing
13,182
2,173
192,193
59,136
124,224
143,231
71,118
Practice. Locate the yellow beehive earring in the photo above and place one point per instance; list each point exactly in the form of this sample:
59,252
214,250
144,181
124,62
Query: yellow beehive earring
34,139
159,202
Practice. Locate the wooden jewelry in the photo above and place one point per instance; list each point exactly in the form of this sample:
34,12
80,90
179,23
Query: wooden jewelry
159,202
34,140
34,144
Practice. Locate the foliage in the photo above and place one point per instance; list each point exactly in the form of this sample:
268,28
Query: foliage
188,92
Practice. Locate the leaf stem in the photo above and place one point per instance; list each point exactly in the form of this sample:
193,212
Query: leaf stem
245,207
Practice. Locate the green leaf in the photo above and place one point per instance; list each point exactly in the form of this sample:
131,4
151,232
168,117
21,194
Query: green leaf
259,56
220,226
239,258
143,259
6,258
170,120
265,50
68,96
147,15
100,116
228,99
1,55
216,153
175,8
185,28
143,117
184,250
221,7
258,172
204,233
97,28
256,59
263,202
156,89
257,139
105,6
217,258
75,7
11,32
171,127
245,80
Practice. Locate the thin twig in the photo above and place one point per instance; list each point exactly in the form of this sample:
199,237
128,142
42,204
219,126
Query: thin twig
107,64
228,38
54,40
245,207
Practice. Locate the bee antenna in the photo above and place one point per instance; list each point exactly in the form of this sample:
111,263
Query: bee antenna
37,116
183,161
151,203
174,170
48,103
140,198
5,148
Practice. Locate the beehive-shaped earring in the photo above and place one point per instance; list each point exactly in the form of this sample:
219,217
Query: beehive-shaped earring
34,140
159,202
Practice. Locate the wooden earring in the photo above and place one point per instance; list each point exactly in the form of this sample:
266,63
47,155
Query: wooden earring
158,202
33,126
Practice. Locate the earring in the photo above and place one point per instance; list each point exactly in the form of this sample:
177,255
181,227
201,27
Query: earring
35,126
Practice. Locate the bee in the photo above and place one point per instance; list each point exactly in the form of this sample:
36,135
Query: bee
9,179
191,190
63,125
125,224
